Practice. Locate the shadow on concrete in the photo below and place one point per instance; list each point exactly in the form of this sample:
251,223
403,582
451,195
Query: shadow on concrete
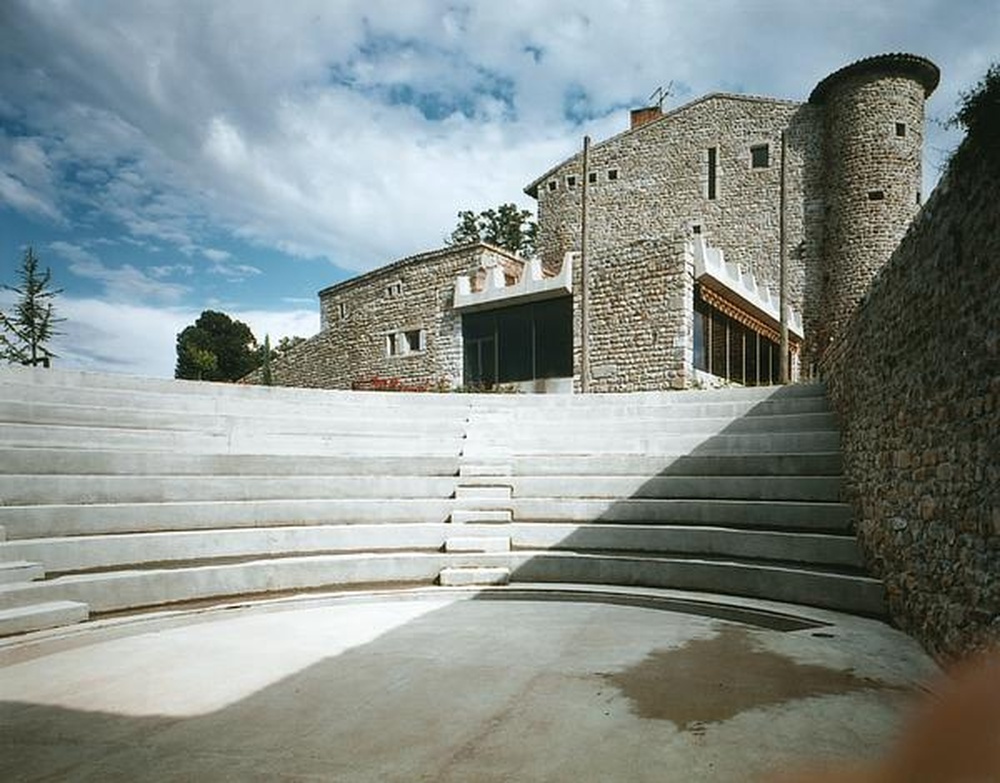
772,526
462,690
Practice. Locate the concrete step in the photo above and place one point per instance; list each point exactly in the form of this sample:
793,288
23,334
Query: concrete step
480,516
610,464
244,441
477,544
345,422
19,570
840,592
72,520
57,461
581,443
18,490
484,469
149,587
180,400
37,617
768,515
669,422
485,491
470,576
806,488
823,550
627,407
129,550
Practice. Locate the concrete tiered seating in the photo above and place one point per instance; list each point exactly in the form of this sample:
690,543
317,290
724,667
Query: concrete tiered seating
121,494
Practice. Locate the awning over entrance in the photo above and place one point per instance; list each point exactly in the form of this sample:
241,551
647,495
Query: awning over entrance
741,289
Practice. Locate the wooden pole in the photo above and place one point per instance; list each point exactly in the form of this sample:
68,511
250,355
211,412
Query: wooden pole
783,261
584,289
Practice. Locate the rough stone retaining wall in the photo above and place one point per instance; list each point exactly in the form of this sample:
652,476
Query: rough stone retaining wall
916,379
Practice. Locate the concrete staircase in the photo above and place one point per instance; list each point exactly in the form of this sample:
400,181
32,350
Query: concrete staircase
121,494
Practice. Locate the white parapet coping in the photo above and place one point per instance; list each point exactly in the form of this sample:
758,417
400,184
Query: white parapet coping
531,286
711,267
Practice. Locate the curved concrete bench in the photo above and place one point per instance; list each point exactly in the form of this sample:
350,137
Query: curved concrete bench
121,494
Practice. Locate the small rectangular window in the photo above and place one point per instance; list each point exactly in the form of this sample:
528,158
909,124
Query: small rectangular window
571,181
612,175
760,156
553,185
392,345
592,177
394,289
900,129
414,340
876,195
696,228
341,310
712,164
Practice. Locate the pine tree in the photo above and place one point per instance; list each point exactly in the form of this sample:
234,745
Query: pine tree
32,324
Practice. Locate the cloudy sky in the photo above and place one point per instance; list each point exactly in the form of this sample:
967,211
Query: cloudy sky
167,157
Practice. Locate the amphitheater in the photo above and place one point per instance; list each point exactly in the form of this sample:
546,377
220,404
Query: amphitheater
202,581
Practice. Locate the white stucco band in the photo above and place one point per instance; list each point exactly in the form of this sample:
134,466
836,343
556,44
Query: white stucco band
730,281
531,286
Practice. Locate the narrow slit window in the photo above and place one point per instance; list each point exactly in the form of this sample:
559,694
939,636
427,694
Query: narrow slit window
712,173
341,310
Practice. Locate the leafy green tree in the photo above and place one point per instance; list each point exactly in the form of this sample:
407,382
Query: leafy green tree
285,344
506,226
979,112
216,348
32,324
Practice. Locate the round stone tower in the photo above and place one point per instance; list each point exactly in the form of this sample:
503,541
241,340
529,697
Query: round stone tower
873,144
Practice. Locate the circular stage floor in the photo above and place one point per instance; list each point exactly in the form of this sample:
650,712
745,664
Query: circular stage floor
437,685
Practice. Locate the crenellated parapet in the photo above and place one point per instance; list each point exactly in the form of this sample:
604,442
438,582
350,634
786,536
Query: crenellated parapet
729,280
533,284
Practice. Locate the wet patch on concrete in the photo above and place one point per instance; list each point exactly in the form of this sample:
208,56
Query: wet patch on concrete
712,680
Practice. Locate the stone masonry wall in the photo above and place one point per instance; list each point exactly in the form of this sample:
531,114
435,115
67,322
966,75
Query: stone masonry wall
357,317
651,183
640,300
916,380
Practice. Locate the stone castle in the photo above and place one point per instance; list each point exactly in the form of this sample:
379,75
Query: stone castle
675,280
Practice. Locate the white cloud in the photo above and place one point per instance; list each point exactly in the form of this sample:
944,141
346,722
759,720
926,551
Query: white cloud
302,126
125,283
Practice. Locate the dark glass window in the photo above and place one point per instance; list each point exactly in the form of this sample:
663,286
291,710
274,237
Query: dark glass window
876,195
592,177
760,156
519,343
612,175
730,350
900,129
712,165
571,181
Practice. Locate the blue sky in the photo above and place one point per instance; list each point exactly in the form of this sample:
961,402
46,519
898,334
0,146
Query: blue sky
167,157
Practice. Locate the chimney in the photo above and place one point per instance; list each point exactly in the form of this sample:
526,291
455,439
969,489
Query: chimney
647,114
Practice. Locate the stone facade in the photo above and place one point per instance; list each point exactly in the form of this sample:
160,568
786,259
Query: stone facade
659,188
712,168
916,380
640,303
393,324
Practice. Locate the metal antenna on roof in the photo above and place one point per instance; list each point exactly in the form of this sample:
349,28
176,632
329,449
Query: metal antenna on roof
660,95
